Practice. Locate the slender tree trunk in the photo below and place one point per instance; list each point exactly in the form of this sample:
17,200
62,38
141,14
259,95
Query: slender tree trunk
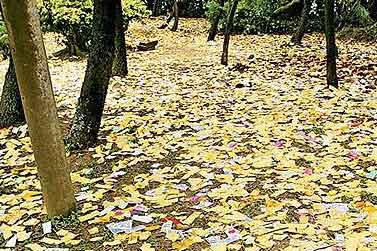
214,27
176,16
330,43
229,27
11,111
25,37
155,10
373,9
300,32
120,58
91,103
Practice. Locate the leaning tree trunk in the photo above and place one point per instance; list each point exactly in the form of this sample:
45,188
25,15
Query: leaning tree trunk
300,32
330,43
11,111
26,42
214,27
176,16
91,103
120,58
228,30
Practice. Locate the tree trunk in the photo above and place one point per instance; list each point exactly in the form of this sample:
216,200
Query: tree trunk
73,46
373,9
92,98
11,111
25,37
330,43
176,16
214,27
229,27
300,32
155,10
120,58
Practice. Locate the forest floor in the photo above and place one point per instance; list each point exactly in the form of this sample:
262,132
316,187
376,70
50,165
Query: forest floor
193,155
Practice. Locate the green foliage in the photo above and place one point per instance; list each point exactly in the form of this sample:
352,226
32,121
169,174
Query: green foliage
3,34
73,18
134,9
3,40
259,16
213,10
253,16
354,13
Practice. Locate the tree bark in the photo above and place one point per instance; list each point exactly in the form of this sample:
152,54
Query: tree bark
11,111
229,27
373,9
155,10
120,58
92,98
176,16
28,51
330,43
300,32
214,27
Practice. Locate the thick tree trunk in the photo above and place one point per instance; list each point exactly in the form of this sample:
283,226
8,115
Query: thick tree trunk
214,27
91,103
176,16
330,43
229,27
120,58
11,111
25,37
300,32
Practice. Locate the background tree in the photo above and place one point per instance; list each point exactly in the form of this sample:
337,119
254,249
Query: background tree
120,59
215,19
330,43
92,98
176,15
229,26
34,81
299,34
156,8
11,111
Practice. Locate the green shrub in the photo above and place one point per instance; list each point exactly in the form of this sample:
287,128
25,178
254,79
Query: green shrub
252,16
256,16
134,10
213,10
73,19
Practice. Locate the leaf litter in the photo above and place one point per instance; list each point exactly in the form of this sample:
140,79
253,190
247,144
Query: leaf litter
197,156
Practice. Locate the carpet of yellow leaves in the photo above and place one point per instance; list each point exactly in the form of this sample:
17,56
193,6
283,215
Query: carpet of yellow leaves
187,161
